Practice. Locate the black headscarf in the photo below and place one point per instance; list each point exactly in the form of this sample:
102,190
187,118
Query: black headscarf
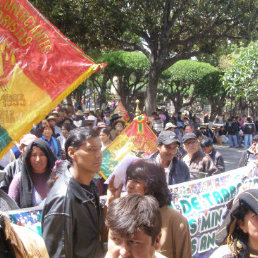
26,184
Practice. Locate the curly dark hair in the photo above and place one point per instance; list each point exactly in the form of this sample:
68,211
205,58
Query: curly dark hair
154,176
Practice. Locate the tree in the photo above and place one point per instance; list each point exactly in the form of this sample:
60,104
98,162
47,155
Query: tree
186,80
166,31
131,70
241,79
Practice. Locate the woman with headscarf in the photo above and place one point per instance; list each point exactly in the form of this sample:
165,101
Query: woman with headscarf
238,234
29,187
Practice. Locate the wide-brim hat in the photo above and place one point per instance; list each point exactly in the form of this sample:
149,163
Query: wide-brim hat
79,113
114,117
51,118
101,125
249,197
169,125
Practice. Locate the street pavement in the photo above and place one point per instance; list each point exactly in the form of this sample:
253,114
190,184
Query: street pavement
231,155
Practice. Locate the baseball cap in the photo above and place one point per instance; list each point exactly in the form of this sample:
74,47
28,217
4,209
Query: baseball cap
189,136
27,139
249,197
169,125
167,137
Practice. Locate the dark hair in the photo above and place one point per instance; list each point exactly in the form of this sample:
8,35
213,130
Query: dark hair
206,142
77,137
105,131
198,133
255,139
154,113
154,176
67,118
68,127
47,151
132,213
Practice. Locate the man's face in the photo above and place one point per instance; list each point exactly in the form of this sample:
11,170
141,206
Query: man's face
135,186
139,245
88,157
188,129
207,149
191,146
167,152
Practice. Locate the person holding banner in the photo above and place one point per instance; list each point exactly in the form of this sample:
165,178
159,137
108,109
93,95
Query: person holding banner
146,177
239,230
176,171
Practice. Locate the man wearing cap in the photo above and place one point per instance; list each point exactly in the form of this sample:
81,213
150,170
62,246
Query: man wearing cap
198,164
176,171
14,167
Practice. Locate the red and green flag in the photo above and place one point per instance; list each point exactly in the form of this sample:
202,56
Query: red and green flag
39,67
136,137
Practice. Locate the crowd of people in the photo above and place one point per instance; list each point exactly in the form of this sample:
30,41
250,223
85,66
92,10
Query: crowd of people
56,167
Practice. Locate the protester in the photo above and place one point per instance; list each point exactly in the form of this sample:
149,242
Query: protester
72,218
29,187
66,128
189,129
16,166
171,127
222,134
105,138
146,177
118,127
53,143
157,123
248,157
238,233
248,129
176,171
217,165
195,159
134,224
52,122
232,128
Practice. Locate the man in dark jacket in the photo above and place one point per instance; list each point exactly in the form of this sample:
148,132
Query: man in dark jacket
198,163
72,218
176,171
232,128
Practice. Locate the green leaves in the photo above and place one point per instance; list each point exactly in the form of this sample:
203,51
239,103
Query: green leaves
241,79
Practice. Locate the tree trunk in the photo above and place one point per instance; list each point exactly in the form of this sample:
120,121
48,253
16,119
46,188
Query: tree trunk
151,91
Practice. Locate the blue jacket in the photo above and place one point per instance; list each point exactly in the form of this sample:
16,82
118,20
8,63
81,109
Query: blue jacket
179,171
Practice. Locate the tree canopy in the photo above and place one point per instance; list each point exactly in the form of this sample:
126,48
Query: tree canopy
241,79
186,80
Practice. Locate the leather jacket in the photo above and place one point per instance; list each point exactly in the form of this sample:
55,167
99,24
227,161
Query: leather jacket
72,219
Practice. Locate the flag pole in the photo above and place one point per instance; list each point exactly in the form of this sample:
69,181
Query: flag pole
137,110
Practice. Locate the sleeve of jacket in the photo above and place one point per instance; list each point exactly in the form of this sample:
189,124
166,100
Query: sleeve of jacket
220,164
59,149
9,174
243,160
182,238
56,225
